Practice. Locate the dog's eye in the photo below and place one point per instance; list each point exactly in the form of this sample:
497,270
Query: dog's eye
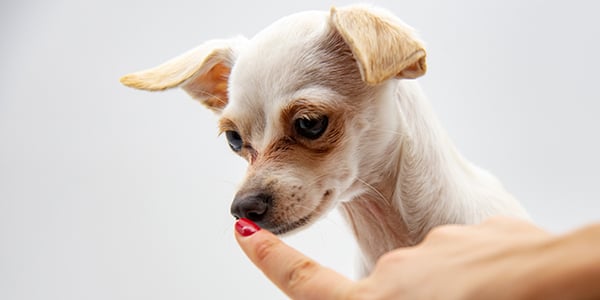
311,128
234,139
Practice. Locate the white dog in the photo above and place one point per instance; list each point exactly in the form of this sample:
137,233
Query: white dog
323,108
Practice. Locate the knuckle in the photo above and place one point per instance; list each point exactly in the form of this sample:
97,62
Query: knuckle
501,223
389,257
265,249
444,231
510,224
497,219
393,258
300,272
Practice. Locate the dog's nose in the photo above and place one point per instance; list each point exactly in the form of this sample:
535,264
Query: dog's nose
252,207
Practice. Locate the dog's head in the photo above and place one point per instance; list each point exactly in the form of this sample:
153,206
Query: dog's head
306,102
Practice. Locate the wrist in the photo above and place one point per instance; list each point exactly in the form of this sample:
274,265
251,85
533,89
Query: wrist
563,267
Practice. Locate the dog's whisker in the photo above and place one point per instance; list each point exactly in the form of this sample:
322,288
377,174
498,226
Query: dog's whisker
316,179
373,189
398,133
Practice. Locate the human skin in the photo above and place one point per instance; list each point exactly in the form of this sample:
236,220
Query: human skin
501,258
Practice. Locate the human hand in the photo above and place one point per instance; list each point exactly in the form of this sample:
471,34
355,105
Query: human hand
499,259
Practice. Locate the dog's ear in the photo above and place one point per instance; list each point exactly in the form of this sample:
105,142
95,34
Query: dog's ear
382,45
202,72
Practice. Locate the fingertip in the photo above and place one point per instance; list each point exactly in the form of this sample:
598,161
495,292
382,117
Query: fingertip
295,274
245,227
253,241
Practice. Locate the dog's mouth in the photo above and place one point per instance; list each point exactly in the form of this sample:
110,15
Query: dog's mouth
319,210
285,228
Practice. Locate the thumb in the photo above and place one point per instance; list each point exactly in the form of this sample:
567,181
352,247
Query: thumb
295,274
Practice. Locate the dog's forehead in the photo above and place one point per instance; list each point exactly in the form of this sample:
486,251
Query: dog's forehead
274,63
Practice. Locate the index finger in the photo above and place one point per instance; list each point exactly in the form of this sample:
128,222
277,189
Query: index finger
295,274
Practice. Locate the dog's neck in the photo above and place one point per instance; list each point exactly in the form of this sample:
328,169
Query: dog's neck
409,190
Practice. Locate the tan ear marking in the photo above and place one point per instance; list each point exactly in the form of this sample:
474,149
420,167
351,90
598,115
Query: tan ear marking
202,72
382,46
210,87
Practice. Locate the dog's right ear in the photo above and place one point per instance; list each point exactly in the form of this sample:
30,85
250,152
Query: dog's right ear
202,72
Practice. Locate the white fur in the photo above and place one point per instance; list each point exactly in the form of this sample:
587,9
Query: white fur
394,172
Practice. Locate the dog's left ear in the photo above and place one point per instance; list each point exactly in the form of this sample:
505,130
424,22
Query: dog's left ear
383,46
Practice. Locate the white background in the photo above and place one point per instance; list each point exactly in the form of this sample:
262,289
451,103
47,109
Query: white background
112,193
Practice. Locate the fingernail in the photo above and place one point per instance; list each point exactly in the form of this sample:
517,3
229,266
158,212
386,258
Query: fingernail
246,227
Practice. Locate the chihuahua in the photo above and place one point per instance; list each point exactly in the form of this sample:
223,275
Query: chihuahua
323,107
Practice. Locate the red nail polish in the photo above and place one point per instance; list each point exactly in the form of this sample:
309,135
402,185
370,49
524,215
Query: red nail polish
246,227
